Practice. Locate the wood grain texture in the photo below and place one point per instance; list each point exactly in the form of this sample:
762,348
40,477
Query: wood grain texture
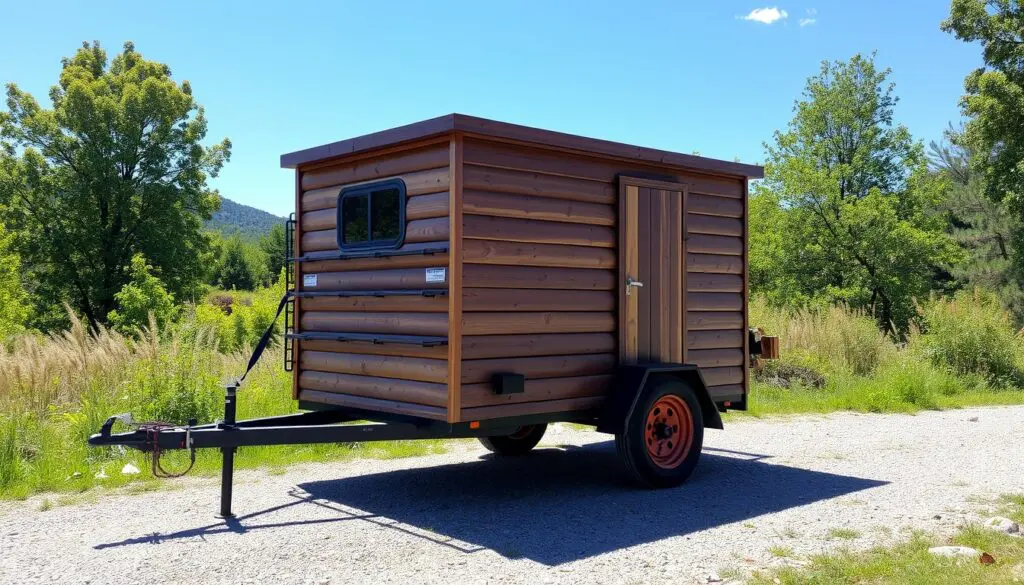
548,322
548,255
714,302
677,261
477,395
713,358
581,166
537,232
398,163
420,230
407,368
714,225
417,184
357,280
698,282
516,299
507,346
557,366
643,341
711,205
629,267
372,405
424,260
714,263
715,339
439,352
384,323
373,387
727,392
455,264
714,320
722,376
486,276
705,244
424,207
526,408
400,304
427,230
537,184
538,208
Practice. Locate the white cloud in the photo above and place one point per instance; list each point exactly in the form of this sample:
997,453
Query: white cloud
810,19
766,15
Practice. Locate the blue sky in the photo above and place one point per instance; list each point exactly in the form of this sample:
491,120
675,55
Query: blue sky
686,75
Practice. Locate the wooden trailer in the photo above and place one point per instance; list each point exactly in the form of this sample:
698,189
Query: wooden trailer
461,277
461,269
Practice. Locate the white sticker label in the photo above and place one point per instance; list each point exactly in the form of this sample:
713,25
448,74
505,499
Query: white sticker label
435,274
309,280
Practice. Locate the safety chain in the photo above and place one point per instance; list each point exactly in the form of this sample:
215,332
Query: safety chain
153,430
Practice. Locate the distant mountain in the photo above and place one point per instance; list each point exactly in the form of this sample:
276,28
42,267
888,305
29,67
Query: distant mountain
235,218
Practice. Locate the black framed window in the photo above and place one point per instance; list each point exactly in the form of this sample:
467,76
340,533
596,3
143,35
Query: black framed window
372,216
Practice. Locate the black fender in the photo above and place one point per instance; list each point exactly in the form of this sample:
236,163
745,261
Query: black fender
630,382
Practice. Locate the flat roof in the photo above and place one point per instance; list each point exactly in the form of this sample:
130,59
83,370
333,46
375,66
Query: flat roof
492,129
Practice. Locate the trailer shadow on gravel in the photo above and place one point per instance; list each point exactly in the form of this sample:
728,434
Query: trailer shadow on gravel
559,505
553,506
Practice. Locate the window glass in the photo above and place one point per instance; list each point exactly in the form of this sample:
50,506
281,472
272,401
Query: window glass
384,214
355,215
371,216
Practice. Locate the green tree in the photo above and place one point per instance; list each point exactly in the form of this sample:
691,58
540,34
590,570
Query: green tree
989,231
851,201
243,265
143,295
994,102
13,300
273,245
116,168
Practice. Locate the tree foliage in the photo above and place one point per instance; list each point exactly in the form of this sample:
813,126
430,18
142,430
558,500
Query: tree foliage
846,210
994,102
273,245
143,296
990,232
13,300
243,265
115,168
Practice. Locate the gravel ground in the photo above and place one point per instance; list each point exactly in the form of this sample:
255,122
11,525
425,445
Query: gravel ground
560,515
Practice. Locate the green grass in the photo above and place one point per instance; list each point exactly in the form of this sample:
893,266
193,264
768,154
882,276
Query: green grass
910,563
780,551
843,533
55,392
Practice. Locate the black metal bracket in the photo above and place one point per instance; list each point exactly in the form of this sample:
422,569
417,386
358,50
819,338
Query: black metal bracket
421,340
316,256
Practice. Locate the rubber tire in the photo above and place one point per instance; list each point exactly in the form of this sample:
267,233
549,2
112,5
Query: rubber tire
630,442
512,446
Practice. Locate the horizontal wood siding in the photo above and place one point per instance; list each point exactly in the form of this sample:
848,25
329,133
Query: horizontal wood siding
716,318
401,378
539,254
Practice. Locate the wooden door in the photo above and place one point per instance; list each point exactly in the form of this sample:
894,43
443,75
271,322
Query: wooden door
651,271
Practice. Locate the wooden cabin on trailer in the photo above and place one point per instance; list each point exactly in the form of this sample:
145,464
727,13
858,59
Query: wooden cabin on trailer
463,270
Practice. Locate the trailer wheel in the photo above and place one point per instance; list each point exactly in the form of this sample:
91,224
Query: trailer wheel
661,442
518,443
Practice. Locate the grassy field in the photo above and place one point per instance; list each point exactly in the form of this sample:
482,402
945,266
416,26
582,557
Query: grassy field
966,353
55,391
910,563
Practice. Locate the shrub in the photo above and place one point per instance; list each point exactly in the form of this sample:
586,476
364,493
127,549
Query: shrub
836,339
971,334
141,298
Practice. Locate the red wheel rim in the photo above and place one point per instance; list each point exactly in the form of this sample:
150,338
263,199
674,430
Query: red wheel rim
522,433
668,432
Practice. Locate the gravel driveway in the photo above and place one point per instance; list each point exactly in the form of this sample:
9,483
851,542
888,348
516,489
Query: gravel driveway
560,515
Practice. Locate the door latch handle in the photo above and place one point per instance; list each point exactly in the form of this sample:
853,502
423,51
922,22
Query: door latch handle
630,283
